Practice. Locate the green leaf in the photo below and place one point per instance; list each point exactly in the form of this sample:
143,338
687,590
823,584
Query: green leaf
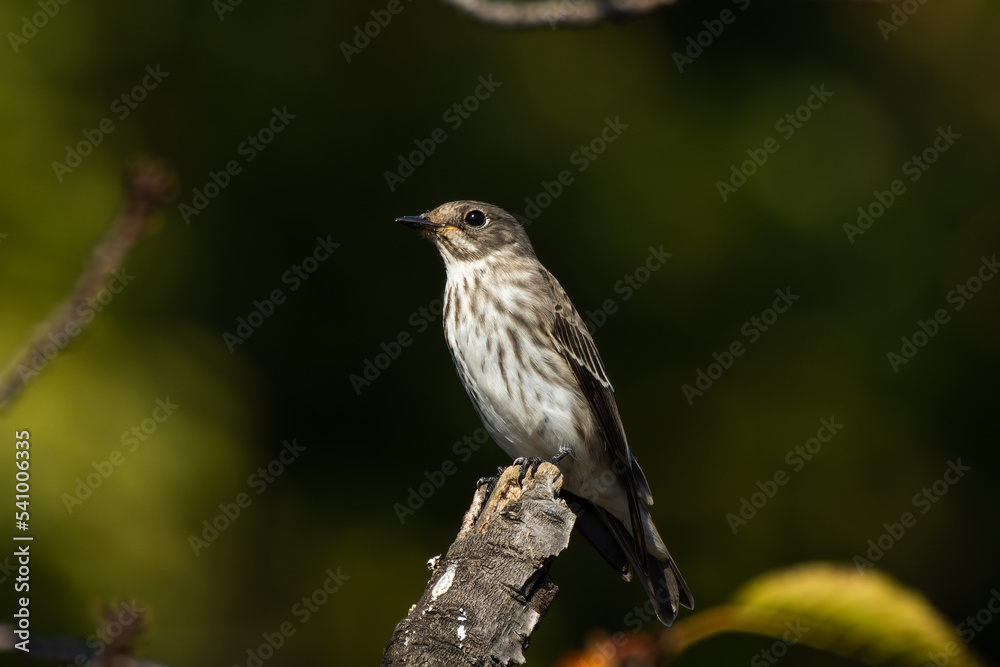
870,617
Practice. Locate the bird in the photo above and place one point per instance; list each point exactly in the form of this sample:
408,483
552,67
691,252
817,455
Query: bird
531,369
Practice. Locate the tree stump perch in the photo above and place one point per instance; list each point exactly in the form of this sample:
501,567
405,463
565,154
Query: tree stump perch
487,595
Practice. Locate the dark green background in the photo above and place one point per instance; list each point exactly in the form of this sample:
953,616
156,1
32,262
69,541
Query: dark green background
655,185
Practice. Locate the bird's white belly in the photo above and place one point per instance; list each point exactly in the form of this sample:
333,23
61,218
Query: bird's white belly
524,392
526,413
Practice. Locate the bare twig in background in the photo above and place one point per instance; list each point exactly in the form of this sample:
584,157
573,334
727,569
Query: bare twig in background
553,13
148,184
557,13
118,652
488,594
119,628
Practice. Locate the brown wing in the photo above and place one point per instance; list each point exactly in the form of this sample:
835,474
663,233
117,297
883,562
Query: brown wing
577,347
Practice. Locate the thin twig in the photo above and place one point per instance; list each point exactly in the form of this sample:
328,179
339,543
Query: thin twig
148,184
112,645
554,13
559,13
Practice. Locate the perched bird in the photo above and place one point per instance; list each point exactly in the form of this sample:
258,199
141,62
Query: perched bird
534,376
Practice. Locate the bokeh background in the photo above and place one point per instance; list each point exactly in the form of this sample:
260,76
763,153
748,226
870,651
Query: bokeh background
366,446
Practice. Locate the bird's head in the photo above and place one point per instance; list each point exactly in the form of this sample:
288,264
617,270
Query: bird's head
468,231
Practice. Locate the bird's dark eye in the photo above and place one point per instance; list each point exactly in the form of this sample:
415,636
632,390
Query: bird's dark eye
475,218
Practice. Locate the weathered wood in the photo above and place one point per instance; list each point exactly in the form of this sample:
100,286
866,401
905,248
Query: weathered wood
487,595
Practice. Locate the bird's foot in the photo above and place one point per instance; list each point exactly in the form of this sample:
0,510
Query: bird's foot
489,482
563,453
527,463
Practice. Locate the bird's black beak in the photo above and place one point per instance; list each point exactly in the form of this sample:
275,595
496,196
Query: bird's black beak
419,223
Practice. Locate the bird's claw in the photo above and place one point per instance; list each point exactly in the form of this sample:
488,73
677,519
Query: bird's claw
489,482
528,464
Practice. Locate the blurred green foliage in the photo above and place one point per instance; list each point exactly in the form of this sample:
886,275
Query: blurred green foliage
866,616
324,176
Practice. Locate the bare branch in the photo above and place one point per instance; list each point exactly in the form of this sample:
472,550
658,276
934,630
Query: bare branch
554,13
148,185
560,13
488,594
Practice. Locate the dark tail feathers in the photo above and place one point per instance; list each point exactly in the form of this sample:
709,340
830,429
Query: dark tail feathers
663,582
